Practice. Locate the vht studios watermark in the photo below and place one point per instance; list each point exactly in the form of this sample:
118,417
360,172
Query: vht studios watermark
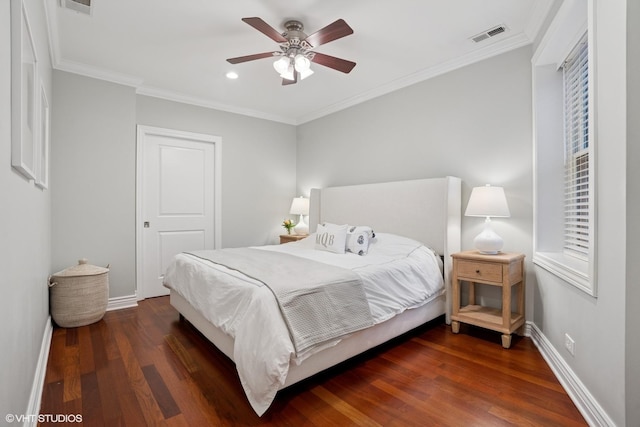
43,418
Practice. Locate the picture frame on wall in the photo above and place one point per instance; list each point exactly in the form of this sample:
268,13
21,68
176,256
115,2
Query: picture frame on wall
42,155
25,112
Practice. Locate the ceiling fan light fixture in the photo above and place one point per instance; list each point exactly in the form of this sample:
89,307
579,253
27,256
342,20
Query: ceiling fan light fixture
302,63
297,49
282,64
289,73
306,73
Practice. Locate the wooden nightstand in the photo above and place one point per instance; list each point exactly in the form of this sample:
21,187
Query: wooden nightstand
505,270
286,238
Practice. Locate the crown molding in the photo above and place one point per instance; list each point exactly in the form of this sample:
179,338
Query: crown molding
208,103
515,41
503,46
50,8
98,73
539,14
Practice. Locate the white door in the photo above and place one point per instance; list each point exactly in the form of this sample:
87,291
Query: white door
176,201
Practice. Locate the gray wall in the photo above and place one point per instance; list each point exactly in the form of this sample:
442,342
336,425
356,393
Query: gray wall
632,338
474,123
25,227
598,325
258,169
94,172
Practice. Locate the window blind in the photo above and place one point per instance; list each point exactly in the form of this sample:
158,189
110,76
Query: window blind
576,183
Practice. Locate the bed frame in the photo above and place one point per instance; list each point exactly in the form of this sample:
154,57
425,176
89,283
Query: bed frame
427,210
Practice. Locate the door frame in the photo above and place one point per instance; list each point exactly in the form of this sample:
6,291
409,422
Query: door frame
142,132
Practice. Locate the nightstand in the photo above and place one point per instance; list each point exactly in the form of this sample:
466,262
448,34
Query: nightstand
505,270
286,238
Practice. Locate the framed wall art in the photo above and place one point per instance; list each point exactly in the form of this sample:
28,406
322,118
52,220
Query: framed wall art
42,154
25,126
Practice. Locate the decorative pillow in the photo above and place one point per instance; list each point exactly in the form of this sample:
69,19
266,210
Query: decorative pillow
331,237
358,238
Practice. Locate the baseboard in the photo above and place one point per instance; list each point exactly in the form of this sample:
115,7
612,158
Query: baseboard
590,409
35,398
526,329
118,303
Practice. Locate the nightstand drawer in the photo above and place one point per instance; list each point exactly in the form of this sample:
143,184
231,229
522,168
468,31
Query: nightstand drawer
479,271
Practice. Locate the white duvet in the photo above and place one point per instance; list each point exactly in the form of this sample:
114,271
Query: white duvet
398,274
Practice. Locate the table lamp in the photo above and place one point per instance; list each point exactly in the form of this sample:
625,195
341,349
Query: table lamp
300,206
488,202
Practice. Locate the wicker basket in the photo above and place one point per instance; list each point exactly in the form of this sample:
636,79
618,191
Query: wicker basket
79,294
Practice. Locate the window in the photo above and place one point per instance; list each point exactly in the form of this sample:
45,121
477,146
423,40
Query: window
564,147
576,143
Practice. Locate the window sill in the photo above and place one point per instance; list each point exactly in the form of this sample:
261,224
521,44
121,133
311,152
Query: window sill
567,268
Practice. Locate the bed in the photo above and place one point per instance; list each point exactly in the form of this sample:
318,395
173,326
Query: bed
421,217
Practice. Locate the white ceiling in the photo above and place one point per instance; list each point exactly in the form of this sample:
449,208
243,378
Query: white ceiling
177,49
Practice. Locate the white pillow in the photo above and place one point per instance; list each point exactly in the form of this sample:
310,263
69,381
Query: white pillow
358,238
331,237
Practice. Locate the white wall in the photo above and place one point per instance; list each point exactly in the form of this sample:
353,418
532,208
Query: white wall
94,174
25,226
474,123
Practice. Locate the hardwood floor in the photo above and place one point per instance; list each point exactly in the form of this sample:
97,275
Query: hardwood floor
142,366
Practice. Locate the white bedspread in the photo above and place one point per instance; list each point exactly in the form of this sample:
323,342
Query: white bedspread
319,302
397,273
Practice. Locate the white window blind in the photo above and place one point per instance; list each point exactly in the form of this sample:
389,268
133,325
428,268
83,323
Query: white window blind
576,186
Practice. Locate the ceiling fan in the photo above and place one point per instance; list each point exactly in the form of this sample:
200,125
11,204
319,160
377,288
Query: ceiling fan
297,49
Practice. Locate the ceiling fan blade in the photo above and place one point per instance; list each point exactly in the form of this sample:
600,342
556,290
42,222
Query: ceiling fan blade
265,29
331,32
241,59
286,82
333,62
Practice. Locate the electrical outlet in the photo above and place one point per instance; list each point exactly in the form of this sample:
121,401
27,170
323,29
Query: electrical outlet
570,344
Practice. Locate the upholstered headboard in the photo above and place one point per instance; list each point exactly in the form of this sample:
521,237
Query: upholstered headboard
427,210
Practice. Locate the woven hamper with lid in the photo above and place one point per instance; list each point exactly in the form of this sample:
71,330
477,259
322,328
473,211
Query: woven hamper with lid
79,294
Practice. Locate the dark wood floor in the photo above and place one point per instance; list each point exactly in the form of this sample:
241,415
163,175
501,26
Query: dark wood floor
143,366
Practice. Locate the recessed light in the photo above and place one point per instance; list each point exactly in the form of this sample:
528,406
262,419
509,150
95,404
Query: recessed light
232,75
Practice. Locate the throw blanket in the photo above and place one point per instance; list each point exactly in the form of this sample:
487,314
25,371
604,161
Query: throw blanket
319,302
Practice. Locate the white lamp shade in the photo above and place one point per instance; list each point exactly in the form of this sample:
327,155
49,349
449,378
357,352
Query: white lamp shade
289,74
282,64
306,73
487,201
299,206
284,67
302,63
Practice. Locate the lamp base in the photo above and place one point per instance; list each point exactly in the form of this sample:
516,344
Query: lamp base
488,242
301,228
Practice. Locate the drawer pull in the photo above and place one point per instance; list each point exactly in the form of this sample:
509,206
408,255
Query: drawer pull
477,271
